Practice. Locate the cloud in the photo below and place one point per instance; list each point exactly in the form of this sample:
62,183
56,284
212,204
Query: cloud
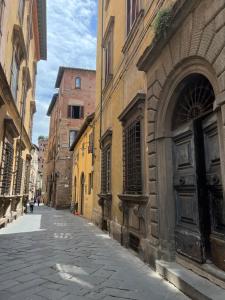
71,41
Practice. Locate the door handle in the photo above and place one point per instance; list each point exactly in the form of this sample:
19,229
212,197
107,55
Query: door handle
182,180
215,179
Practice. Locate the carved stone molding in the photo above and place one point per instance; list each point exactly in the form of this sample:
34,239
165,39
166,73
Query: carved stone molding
105,200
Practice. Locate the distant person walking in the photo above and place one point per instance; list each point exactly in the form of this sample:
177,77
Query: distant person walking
38,200
31,206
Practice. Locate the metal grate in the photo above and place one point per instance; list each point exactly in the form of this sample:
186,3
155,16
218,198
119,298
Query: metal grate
6,168
18,174
196,99
106,170
132,159
27,177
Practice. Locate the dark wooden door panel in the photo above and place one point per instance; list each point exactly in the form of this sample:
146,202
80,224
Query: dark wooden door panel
187,234
215,191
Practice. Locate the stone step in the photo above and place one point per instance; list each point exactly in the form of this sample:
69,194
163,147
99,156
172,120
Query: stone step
191,284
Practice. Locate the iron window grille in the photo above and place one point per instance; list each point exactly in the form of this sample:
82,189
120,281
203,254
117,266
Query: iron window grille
106,170
132,158
6,168
27,177
18,173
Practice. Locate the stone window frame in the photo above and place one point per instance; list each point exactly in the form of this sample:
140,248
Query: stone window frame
131,33
107,44
106,159
135,112
10,133
18,55
18,167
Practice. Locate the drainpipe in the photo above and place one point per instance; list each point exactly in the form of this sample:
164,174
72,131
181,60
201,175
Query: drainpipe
101,97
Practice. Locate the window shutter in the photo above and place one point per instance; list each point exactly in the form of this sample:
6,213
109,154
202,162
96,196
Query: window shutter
81,112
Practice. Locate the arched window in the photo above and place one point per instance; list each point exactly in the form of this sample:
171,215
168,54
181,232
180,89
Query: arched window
77,82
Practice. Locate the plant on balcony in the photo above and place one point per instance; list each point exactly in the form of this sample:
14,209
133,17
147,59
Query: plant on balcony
162,21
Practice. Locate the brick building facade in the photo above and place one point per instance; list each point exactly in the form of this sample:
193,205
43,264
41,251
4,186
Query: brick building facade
74,101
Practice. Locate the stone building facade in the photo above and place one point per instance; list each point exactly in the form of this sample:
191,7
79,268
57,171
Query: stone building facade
82,174
160,113
22,45
69,107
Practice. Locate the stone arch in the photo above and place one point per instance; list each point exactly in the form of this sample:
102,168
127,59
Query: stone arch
161,103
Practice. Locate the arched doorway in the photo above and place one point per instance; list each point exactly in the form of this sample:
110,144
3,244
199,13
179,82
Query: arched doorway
82,194
197,183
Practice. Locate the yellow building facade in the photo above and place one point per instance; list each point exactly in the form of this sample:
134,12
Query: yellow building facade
22,45
159,129
121,91
82,179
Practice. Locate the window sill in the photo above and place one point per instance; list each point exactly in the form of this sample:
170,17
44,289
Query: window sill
135,199
133,31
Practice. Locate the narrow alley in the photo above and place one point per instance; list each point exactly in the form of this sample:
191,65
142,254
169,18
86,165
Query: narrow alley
54,255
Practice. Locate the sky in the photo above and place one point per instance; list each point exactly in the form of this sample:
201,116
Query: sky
71,42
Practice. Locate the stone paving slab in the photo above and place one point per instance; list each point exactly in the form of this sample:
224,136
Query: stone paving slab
55,255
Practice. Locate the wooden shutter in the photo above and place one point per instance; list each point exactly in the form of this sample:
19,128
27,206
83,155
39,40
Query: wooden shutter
81,112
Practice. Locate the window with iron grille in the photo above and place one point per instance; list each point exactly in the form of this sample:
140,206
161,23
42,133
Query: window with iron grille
106,170
133,8
18,173
27,177
132,158
6,168
2,7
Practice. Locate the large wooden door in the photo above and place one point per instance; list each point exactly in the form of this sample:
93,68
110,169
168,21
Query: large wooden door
215,191
189,191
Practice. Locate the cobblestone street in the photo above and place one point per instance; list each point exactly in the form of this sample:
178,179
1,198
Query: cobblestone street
54,255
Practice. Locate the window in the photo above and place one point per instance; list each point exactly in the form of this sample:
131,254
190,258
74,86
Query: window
72,136
106,4
106,170
90,143
75,112
6,168
21,10
108,60
14,75
2,7
133,8
132,158
77,83
89,183
18,173
108,51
